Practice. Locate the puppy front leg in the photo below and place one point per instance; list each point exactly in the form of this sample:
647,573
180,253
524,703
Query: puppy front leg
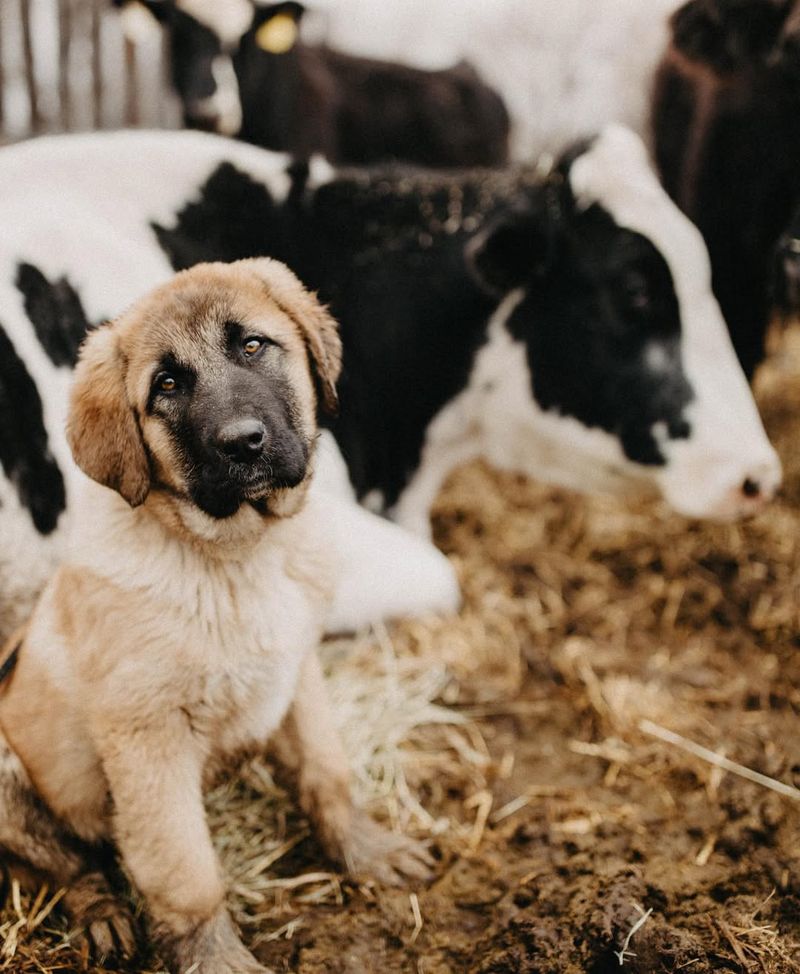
155,778
346,832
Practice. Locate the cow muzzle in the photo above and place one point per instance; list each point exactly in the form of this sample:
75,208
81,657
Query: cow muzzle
707,484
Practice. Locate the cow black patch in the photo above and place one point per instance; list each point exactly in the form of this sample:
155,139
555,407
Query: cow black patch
24,454
235,217
602,333
56,313
193,50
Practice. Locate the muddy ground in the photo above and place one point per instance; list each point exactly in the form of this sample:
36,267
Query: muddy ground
557,820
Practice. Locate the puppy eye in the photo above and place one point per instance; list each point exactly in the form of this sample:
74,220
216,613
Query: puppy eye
252,345
166,383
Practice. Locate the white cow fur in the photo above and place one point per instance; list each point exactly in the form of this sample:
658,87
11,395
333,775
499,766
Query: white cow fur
565,67
81,207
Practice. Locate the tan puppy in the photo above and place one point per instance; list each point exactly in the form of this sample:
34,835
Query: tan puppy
184,622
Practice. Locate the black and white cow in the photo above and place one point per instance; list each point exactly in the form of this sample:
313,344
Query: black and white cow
563,326
240,68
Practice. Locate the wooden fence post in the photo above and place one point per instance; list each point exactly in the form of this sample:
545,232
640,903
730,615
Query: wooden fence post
30,67
64,42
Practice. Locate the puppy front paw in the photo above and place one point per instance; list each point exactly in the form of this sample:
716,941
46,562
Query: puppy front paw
354,840
371,851
213,947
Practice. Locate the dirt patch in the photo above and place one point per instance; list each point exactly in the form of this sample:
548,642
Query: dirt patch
557,822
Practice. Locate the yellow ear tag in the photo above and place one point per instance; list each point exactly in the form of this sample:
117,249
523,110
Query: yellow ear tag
278,34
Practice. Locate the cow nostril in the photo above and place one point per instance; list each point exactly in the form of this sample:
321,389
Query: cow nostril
751,488
255,440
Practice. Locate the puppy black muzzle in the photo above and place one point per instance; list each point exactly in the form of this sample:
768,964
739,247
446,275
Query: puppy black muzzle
252,453
246,459
246,441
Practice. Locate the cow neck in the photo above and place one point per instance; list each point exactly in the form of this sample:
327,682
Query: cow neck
464,428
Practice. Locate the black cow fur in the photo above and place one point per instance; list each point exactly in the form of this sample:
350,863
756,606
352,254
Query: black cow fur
56,313
24,454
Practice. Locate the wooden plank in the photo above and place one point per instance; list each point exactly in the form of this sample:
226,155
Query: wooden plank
97,66
167,117
80,73
2,72
133,114
64,44
30,65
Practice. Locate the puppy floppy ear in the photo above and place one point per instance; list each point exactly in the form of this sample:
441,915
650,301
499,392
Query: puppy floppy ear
320,332
102,430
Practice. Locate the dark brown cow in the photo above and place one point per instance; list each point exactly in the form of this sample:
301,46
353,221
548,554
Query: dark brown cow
726,121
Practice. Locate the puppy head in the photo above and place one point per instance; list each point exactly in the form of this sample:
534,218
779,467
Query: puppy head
207,388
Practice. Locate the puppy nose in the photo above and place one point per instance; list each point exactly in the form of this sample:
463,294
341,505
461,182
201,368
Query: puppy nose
242,439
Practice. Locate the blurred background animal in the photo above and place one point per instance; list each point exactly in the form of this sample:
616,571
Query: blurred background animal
243,69
726,125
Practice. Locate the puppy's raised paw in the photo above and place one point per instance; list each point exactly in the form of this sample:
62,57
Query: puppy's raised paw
371,851
106,921
354,840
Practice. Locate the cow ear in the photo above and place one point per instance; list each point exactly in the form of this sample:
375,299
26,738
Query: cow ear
513,249
319,330
102,430
697,28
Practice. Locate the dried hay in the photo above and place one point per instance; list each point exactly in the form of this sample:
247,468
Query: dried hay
627,612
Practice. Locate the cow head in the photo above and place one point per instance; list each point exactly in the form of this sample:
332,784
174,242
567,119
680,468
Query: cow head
207,41
609,347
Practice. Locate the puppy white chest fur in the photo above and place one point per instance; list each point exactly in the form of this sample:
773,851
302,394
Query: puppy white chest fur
236,644
215,627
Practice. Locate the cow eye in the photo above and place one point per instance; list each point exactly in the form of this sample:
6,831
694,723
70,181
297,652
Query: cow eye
166,383
637,292
252,345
